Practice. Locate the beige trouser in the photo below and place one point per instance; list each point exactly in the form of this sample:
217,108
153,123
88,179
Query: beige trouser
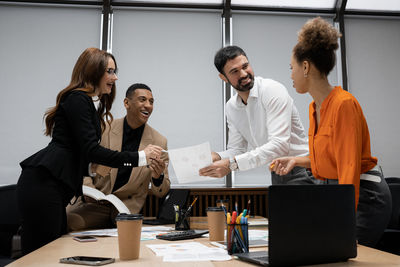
99,215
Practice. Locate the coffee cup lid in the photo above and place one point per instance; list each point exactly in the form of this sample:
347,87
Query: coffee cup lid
128,217
215,209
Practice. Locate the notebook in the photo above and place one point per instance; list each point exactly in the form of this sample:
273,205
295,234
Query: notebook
166,212
308,224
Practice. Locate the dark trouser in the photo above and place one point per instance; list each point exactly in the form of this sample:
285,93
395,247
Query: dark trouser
374,208
41,201
298,174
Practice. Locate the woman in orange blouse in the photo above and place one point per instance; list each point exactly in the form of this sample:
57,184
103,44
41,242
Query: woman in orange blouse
339,141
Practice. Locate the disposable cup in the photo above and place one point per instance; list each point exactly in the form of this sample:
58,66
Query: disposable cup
129,229
216,223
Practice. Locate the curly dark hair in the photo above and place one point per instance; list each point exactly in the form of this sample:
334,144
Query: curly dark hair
317,42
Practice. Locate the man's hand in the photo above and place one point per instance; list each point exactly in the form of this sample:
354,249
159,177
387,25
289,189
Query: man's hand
157,167
283,166
215,156
152,152
218,169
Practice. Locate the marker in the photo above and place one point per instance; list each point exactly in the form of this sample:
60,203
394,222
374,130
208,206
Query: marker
271,166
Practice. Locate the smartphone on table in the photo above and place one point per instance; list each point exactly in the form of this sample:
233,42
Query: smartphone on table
85,238
87,260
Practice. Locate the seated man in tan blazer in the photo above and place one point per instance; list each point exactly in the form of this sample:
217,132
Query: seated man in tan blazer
129,184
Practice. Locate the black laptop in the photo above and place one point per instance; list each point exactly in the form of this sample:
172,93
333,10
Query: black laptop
308,224
166,212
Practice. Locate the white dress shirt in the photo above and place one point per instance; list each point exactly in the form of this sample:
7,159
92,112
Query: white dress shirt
268,127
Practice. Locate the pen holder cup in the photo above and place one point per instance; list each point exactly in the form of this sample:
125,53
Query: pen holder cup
182,222
237,237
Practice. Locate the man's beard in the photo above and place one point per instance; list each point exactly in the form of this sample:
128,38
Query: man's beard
246,87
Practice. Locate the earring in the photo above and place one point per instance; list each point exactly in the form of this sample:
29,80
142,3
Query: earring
305,75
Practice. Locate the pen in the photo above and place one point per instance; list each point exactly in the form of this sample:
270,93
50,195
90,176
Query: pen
188,211
176,207
223,207
236,206
243,223
234,215
244,212
248,207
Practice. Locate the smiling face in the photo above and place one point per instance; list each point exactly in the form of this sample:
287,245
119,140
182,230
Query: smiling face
238,73
108,79
139,106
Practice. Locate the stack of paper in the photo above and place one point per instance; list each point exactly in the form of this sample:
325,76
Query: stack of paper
189,251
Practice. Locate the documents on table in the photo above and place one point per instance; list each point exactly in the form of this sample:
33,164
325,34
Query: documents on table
188,161
148,233
189,251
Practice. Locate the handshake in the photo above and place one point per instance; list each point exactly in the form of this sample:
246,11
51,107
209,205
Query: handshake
154,161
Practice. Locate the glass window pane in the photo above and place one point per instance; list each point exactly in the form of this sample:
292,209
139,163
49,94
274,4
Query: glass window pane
324,4
173,53
372,47
372,5
197,2
39,47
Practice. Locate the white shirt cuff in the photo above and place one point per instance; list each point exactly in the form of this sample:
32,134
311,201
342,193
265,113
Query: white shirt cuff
243,162
142,159
225,154
91,174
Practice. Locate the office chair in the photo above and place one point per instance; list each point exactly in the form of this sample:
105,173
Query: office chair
10,246
390,240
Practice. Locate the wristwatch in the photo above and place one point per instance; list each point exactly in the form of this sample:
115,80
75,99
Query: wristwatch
233,164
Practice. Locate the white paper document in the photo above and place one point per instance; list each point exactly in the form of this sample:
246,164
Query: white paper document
148,233
188,161
189,251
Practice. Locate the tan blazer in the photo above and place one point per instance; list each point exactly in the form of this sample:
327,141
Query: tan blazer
134,192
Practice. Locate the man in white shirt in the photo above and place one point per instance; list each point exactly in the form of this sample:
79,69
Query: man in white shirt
263,122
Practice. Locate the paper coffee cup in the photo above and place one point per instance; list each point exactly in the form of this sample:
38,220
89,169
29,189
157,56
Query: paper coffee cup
216,223
129,229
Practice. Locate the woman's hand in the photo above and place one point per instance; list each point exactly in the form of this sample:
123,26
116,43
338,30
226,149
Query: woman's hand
283,166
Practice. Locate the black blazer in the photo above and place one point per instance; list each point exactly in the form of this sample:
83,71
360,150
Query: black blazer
75,143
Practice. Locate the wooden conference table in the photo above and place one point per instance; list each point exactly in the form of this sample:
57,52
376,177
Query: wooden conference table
65,246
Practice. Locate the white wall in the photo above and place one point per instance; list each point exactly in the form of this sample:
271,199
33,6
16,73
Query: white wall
373,59
39,47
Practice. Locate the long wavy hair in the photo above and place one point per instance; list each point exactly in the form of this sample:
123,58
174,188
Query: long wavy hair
86,75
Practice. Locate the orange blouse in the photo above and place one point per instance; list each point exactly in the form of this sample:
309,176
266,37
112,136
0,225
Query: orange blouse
340,145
